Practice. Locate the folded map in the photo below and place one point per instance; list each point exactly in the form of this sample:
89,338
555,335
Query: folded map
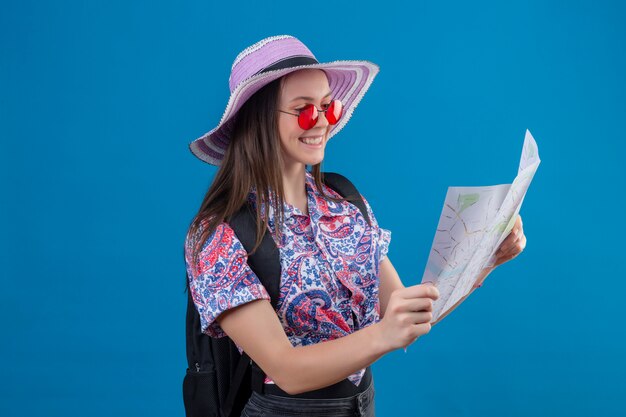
473,223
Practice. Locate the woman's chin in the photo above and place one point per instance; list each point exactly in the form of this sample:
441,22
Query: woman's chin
310,160
311,157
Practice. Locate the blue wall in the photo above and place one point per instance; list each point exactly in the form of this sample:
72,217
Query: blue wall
98,101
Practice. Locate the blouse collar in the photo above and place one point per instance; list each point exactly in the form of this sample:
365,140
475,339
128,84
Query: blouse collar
318,206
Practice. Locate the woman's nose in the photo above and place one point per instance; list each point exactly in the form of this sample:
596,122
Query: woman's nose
322,121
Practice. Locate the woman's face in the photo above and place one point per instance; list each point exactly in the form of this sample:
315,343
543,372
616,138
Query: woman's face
309,86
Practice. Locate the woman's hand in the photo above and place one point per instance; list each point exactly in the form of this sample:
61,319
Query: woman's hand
513,245
408,315
510,247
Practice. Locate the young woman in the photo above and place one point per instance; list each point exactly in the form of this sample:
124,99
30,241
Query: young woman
342,305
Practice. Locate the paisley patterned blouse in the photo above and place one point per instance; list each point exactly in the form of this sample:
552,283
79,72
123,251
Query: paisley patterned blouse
329,262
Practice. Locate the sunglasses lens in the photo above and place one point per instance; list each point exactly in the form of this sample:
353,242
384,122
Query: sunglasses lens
308,117
334,112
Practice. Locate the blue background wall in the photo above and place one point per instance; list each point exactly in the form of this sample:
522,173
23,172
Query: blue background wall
99,101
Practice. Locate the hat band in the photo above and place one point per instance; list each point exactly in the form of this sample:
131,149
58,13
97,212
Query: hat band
294,61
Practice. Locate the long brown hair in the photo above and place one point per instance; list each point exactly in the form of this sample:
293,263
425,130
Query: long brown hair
253,159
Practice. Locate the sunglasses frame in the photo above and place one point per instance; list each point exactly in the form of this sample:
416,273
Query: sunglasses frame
318,112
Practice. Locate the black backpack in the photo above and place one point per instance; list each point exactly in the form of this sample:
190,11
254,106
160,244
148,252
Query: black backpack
219,380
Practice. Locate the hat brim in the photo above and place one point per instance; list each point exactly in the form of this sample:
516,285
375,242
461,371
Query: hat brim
348,82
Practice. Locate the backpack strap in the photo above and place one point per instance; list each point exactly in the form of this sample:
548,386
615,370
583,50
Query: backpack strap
346,189
265,263
241,372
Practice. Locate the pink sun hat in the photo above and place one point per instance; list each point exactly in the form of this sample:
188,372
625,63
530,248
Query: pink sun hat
264,62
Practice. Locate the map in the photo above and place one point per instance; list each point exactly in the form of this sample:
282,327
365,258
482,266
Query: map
473,223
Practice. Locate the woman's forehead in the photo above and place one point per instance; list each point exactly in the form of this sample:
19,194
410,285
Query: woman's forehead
311,83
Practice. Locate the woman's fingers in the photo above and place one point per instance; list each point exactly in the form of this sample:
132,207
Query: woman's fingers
419,291
516,246
513,245
511,241
419,317
408,315
419,304
512,252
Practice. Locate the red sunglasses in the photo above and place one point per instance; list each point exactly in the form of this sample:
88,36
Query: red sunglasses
308,115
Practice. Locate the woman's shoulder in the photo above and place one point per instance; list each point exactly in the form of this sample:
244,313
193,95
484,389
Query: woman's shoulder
345,202
220,239
219,277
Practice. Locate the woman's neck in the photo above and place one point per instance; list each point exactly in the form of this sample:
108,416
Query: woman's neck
294,186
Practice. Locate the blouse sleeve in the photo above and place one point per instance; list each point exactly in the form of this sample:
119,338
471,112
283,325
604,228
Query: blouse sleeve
381,236
221,279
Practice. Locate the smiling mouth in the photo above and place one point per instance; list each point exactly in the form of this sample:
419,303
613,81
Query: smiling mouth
312,140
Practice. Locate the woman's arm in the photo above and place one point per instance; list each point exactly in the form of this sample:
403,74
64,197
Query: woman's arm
255,328
389,282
